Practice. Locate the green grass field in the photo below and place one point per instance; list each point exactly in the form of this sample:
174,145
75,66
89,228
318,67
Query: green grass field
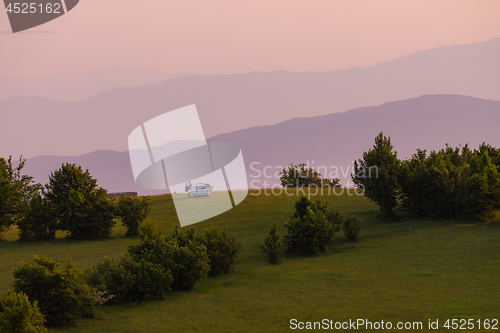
411,270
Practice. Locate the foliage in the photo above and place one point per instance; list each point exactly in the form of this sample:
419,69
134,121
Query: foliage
37,224
301,205
187,262
15,192
128,280
78,205
300,175
63,295
352,227
132,212
311,227
222,249
479,198
429,183
18,315
272,246
377,174
451,182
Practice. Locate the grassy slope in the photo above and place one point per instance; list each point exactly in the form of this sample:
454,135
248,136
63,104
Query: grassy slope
398,271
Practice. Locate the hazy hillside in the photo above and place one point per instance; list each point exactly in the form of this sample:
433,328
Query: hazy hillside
335,140
77,86
34,126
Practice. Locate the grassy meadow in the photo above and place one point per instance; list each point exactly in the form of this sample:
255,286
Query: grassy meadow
399,270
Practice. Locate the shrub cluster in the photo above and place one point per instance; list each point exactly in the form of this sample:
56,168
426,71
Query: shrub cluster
129,280
62,294
309,231
19,315
451,182
159,264
147,271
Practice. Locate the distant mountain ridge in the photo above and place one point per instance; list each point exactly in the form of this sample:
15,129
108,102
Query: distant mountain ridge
78,86
226,103
332,141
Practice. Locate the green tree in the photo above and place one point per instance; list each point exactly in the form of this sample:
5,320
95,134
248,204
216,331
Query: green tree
430,183
37,224
16,190
272,246
300,175
78,205
19,315
63,295
479,198
132,211
377,174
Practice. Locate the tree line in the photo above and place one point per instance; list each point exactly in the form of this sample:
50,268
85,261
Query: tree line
452,182
71,201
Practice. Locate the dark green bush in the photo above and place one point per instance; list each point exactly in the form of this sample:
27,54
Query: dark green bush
311,227
352,227
18,315
37,223
63,295
308,234
187,262
272,246
222,249
479,198
132,211
128,280
301,205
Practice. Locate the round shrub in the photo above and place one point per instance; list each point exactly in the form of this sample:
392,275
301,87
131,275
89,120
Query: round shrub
18,315
63,295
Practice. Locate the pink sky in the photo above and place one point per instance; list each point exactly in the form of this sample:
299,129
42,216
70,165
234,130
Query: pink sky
229,36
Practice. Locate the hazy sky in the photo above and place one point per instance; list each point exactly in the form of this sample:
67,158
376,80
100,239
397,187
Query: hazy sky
236,36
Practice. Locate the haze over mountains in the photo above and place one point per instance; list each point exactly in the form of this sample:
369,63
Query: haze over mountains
332,141
78,86
36,126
